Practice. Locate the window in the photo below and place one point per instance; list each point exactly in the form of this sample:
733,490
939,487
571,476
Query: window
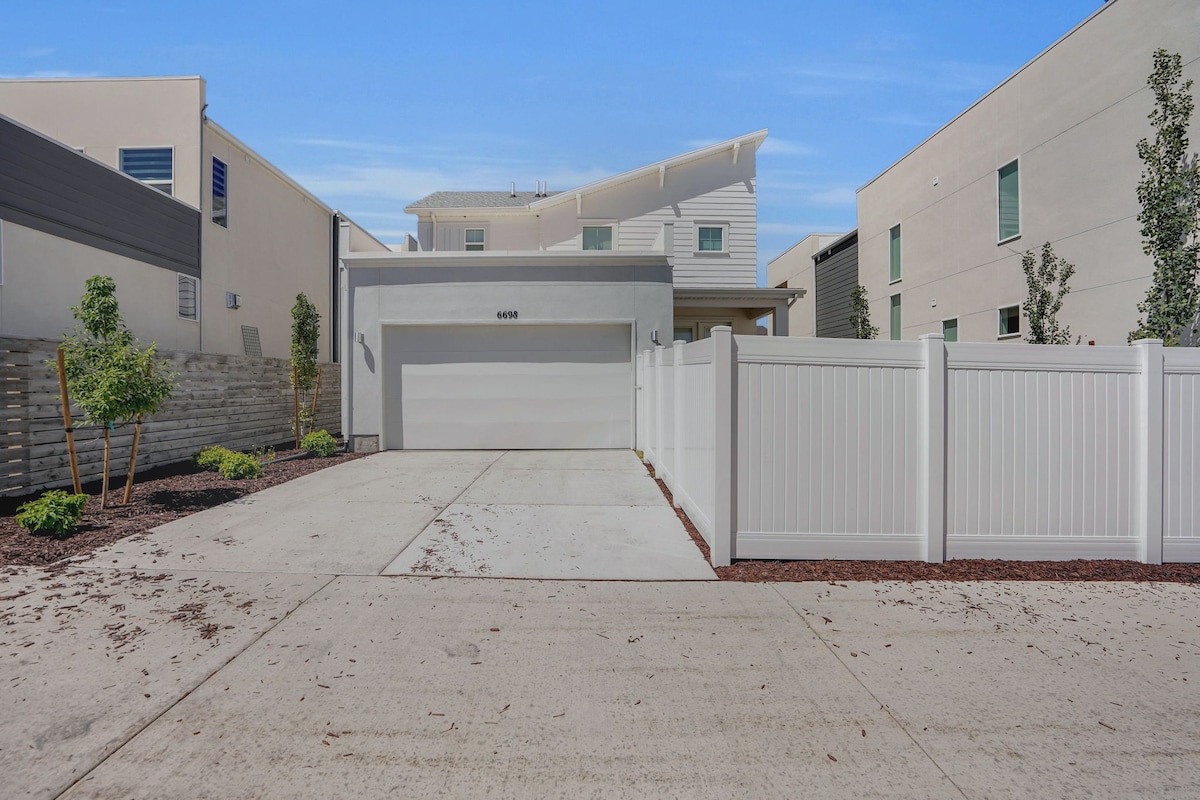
894,253
220,198
1010,322
1009,202
150,165
597,237
684,335
710,238
474,238
895,320
950,330
189,306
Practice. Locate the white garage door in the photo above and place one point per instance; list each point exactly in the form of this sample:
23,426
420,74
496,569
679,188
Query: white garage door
509,387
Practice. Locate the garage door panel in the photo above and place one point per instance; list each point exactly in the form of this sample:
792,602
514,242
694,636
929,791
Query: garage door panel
509,387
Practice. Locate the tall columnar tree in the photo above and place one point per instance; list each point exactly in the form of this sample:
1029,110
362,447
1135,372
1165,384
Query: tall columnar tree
306,333
1047,282
1169,193
860,314
111,377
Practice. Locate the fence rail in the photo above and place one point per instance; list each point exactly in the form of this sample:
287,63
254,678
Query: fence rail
821,448
236,401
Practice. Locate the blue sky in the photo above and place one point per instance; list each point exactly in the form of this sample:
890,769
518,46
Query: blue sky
371,105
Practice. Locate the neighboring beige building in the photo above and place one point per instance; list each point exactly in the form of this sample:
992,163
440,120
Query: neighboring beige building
698,208
793,269
263,237
1048,155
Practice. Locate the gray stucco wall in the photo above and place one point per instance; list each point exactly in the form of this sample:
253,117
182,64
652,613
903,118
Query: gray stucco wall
50,188
835,279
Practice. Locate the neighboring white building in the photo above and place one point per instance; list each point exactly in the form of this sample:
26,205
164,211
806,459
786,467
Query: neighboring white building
793,269
1048,155
262,237
698,208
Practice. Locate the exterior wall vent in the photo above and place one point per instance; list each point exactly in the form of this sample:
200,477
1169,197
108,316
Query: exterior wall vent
233,300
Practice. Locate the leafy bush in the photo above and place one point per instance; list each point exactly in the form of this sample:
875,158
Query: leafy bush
210,458
236,466
319,443
53,512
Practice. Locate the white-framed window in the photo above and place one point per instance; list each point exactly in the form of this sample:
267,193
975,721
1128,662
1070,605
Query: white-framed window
1008,322
154,166
188,297
712,237
894,254
950,329
894,319
598,237
1008,202
700,329
475,239
220,193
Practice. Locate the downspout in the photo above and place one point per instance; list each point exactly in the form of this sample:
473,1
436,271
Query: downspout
201,314
347,338
335,293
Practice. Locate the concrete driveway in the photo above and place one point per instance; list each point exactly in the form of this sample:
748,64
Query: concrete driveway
205,662
593,515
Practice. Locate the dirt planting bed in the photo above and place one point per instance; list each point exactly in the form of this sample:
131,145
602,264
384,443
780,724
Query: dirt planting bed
966,569
159,496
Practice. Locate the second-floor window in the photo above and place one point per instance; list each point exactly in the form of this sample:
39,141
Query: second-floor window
220,196
711,238
894,254
1008,204
474,238
150,165
597,237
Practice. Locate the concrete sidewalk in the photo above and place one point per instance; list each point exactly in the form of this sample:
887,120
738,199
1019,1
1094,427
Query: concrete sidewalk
565,514
413,687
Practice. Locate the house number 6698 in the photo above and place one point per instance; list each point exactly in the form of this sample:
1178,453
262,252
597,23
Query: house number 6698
506,315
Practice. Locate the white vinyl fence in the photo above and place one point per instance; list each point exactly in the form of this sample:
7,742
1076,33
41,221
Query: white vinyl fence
833,448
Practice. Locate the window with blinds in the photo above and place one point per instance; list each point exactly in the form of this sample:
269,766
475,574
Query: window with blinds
220,196
154,166
1009,202
187,297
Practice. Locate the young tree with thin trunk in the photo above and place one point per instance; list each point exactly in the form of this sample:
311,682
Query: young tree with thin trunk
1047,284
110,375
306,333
1169,193
860,314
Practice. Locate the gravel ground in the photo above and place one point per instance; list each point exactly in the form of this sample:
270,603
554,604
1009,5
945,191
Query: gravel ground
159,496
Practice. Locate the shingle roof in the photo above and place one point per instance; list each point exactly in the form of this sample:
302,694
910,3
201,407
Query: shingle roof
477,200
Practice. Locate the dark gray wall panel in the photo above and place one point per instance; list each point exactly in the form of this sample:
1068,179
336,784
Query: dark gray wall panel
52,189
836,277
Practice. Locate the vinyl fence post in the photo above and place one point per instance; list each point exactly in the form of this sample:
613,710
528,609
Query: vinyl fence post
1150,451
677,469
724,545
932,508
659,412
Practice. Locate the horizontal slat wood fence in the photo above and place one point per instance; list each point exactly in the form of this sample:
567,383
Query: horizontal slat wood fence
240,402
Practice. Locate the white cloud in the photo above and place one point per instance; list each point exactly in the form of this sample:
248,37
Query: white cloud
774,146
833,196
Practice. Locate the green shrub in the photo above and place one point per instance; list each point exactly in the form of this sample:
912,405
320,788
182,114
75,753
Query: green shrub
53,512
236,466
210,458
319,443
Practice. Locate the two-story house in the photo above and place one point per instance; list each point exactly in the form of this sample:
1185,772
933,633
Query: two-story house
514,318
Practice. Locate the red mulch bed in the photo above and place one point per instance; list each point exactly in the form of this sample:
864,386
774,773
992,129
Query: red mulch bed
159,496
964,569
